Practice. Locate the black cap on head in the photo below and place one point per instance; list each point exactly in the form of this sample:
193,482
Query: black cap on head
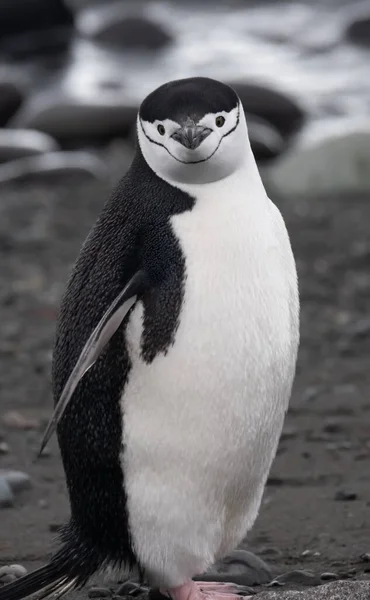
193,97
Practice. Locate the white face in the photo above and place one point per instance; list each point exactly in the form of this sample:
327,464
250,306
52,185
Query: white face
208,150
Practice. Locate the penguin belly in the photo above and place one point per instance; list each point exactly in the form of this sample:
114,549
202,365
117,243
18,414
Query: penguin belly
201,422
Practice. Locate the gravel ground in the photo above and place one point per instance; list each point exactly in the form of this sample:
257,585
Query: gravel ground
315,513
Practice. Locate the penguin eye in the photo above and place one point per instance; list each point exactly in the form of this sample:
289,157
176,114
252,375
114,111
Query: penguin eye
161,130
220,121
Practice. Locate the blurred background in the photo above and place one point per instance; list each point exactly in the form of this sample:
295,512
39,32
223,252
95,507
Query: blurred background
72,76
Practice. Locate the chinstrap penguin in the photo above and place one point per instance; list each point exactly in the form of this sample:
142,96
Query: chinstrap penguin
175,355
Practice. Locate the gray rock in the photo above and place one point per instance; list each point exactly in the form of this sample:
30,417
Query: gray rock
339,590
275,107
15,571
345,496
266,140
6,494
358,32
113,26
299,577
51,166
337,165
17,480
240,567
68,116
328,576
11,98
18,143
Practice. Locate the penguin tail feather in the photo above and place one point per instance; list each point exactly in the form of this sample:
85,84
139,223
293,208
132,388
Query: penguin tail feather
47,580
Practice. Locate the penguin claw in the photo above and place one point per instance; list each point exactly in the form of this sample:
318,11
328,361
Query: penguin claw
130,588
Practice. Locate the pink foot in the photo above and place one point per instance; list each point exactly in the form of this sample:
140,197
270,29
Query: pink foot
198,590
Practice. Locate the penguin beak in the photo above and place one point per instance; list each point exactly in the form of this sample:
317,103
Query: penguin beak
191,135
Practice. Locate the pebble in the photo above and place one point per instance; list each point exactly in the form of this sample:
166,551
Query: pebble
4,448
358,32
333,426
299,577
17,143
345,496
113,26
99,592
11,98
52,166
275,107
335,165
240,567
17,480
11,573
96,114
6,494
15,420
266,141
34,28
328,576
365,557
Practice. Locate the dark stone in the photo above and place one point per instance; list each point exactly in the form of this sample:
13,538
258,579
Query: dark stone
266,141
24,16
358,32
240,567
33,26
18,143
345,496
328,576
299,577
10,100
114,27
52,166
131,588
278,109
67,118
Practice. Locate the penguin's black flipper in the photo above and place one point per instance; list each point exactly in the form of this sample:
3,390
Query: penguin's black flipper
96,343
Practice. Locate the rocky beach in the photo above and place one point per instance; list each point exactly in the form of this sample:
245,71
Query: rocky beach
70,86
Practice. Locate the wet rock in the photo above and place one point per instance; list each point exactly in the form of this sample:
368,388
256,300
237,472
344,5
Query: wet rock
131,588
33,26
299,577
337,165
338,590
98,114
365,557
333,426
266,140
113,26
4,448
6,494
358,32
11,98
18,143
345,496
17,480
240,567
99,592
14,419
53,166
328,576
275,107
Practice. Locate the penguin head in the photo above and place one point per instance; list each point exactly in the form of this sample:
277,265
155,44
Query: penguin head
193,131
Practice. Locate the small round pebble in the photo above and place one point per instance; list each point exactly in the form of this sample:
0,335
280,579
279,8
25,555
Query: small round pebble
328,576
345,496
17,480
4,448
6,494
365,557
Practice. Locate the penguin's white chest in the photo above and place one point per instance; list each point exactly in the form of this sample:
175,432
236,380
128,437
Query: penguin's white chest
202,422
